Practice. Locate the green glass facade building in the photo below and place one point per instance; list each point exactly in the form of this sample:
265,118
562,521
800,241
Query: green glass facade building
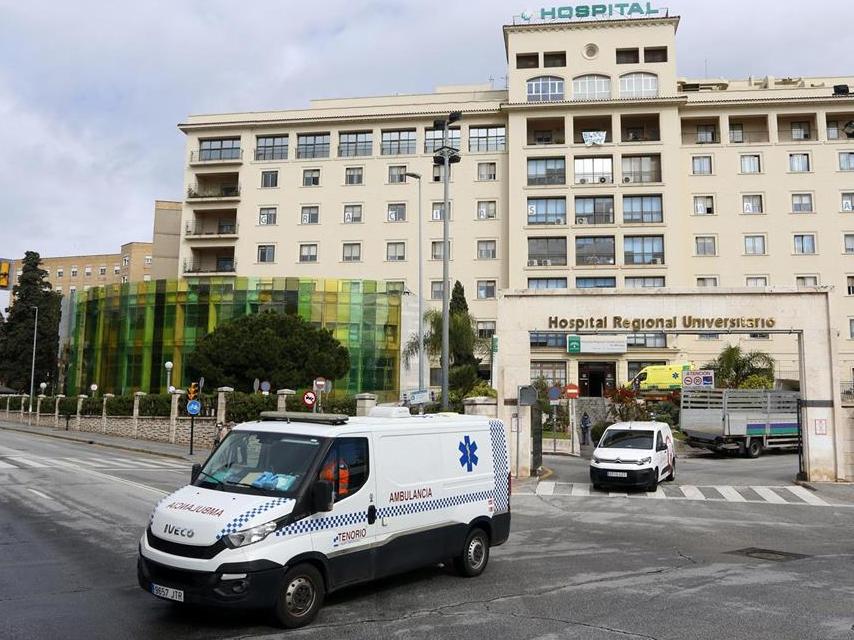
119,336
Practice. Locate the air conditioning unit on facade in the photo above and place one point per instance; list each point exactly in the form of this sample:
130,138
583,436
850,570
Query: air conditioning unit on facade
655,261
546,263
627,178
582,181
603,179
581,221
533,263
560,220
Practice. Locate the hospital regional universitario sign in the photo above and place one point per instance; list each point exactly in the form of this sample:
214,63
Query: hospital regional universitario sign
722,323
581,11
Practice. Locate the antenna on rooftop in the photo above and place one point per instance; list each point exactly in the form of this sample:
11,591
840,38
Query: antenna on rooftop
705,67
491,82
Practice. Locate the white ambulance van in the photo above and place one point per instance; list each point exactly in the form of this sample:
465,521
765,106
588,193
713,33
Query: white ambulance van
638,454
296,505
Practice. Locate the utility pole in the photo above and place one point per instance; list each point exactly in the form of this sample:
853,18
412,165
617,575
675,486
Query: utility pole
417,176
33,368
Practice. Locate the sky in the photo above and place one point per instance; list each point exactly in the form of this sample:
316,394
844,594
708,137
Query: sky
91,91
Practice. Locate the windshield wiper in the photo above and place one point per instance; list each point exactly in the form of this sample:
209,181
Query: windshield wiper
214,478
241,484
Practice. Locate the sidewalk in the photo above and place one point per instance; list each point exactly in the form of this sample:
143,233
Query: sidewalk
115,442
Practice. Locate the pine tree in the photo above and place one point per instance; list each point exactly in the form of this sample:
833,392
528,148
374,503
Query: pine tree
16,333
458,302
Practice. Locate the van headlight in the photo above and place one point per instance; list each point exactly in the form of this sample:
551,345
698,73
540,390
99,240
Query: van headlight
596,459
646,460
251,535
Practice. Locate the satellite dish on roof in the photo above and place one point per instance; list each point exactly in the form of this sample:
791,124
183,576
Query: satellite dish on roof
849,128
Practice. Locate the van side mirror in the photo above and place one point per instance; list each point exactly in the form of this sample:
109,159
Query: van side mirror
195,471
322,497
662,447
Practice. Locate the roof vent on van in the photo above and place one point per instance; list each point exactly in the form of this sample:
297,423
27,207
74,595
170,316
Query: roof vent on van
300,416
390,412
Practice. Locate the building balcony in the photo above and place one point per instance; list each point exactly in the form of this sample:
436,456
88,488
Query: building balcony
641,176
206,266
214,193
594,259
652,257
594,218
355,149
594,178
545,131
210,230
216,156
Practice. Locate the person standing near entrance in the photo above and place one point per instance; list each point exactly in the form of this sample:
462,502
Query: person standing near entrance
586,424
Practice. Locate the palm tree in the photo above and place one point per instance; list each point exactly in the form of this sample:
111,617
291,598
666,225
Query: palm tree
464,343
733,367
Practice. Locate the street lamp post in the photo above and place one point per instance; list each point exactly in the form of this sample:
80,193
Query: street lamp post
33,368
417,176
168,366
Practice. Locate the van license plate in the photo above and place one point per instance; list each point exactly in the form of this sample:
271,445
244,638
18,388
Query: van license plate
167,592
618,474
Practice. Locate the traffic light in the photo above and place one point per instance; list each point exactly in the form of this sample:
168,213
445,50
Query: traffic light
5,274
193,391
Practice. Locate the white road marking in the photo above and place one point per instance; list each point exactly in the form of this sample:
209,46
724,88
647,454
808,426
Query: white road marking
730,494
580,489
808,496
768,495
545,488
106,476
658,494
6,465
27,462
617,494
692,493
41,495
88,463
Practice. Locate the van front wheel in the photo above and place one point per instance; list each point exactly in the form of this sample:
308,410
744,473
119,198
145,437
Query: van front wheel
301,596
475,554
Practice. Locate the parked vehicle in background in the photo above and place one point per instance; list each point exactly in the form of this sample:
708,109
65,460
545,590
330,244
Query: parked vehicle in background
744,420
636,454
659,377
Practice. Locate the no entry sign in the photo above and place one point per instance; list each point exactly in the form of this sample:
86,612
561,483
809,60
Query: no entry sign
308,398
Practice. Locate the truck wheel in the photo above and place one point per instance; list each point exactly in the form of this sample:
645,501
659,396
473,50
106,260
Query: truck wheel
754,448
301,596
475,554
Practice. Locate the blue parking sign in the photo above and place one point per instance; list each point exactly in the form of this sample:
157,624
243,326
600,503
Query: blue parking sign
194,407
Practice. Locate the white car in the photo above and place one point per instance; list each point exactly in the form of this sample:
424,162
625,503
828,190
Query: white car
296,505
638,454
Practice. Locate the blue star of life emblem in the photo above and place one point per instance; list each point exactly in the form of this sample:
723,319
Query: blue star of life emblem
468,448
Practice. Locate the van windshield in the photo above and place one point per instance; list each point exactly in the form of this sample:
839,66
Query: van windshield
626,439
260,462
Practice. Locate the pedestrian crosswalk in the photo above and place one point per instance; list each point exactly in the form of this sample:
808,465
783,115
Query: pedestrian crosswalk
784,495
105,462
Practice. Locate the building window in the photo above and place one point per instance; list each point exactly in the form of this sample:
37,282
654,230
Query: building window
736,132
87,272
487,138
850,283
436,289
751,163
594,170
706,133
355,143
655,54
437,213
643,249
308,253
269,179
554,373
751,203
704,205
266,253
396,212
647,340
554,59
438,173
754,245
310,215
636,366
799,162
311,178
806,281
701,165
398,142
833,130
313,145
486,210
351,252
628,56
547,171
851,328
73,272
707,281
146,278
546,210
848,201
545,339
705,246
352,213
644,282
437,250
546,252
596,283
800,131
545,89
147,261
485,289
72,289
60,272
756,281
219,149
271,147
125,261
487,249
353,175
433,139
267,215
639,85
527,60
395,251
486,171
397,174
641,168
485,329
594,250
395,286
595,210
591,87
116,269
805,243
547,283
642,209
846,161
802,202
849,244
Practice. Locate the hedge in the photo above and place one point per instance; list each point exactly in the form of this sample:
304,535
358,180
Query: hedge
120,406
68,406
155,404
243,407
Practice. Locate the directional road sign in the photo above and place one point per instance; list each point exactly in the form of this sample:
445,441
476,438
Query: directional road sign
194,407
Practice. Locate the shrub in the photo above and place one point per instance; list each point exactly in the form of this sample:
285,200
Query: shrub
155,404
598,429
483,389
48,404
665,411
91,407
120,406
15,403
243,407
68,406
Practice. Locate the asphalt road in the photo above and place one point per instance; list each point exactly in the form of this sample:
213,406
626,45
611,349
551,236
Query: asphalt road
576,567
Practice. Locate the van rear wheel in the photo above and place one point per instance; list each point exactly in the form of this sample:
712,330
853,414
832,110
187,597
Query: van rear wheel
301,596
475,554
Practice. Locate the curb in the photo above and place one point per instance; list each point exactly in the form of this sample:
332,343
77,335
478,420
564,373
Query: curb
100,444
